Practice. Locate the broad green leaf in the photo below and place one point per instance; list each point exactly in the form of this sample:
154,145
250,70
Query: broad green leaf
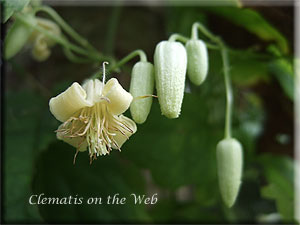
279,174
108,175
12,6
254,23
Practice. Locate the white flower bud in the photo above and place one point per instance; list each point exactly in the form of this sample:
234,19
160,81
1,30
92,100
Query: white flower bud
170,62
197,61
230,163
142,84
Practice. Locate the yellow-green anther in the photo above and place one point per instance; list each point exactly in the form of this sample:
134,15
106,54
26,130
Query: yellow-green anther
18,35
141,87
230,163
170,63
197,61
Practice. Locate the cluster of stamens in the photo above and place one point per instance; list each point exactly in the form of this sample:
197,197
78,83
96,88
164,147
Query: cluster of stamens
97,126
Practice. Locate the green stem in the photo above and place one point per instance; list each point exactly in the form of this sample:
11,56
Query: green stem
194,31
178,37
73,58
68,29
140,53
229,96
198,26
61,40
183,39
212,46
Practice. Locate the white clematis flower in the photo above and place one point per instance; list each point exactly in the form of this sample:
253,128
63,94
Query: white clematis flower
91,116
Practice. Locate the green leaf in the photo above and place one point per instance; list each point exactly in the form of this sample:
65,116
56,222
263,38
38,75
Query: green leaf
279,174
12,6
27,131
176,153
108,175
248,68
283,71
254,23
22,109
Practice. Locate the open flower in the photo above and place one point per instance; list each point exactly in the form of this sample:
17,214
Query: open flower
92,116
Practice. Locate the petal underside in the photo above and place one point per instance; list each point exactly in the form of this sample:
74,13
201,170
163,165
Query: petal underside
69,102
119,98
119,138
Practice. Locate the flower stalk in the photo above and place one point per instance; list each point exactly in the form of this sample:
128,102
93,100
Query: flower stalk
229,97
62,41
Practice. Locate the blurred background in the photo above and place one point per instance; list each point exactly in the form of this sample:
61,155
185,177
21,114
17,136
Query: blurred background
174,158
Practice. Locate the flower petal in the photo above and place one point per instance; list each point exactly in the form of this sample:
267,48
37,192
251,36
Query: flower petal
69,102
93,90
120,138
119,98
78,142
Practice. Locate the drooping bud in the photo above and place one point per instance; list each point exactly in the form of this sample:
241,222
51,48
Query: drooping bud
230,163
40,51
170,62
197,61
41,43
141,86
18,35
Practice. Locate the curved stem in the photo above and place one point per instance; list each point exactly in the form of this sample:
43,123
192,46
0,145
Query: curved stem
140,53
184,39
194,31
73,58
212,46
204,30
178,37
225,59
229,95
68,29
62,41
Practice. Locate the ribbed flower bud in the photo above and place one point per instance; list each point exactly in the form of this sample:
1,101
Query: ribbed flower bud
141,86
197,61
230,163
170,62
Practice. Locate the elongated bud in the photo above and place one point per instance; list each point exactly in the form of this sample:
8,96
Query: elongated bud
197,61
170,62
142,84
230,163
17,36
